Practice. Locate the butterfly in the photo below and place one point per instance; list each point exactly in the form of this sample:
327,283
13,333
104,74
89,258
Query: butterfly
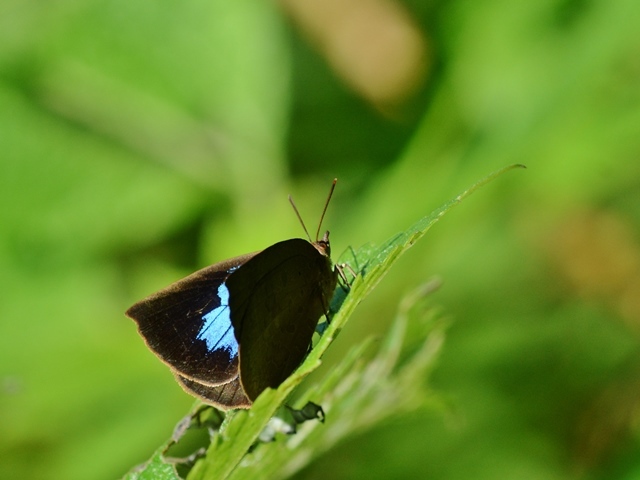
235,328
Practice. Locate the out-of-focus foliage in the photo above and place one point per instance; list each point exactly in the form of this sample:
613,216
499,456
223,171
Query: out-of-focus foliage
139,141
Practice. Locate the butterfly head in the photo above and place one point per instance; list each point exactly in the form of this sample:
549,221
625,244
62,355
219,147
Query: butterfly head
323,245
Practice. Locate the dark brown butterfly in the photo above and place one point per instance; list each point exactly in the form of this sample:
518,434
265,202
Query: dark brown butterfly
237,327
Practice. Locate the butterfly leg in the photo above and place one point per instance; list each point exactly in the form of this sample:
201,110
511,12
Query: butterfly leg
345,284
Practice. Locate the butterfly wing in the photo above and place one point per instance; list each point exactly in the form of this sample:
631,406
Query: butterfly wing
225,396
188,326
277,298
229,332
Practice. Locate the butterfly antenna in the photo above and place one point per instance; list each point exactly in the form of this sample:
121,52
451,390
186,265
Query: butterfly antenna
295,209
326,204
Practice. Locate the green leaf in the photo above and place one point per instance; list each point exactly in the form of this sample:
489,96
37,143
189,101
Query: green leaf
157,468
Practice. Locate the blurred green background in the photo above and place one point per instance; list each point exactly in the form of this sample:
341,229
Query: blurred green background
140,141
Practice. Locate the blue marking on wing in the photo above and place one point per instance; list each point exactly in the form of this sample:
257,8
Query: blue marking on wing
217,330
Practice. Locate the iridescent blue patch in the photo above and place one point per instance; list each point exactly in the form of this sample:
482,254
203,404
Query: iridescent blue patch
217,330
